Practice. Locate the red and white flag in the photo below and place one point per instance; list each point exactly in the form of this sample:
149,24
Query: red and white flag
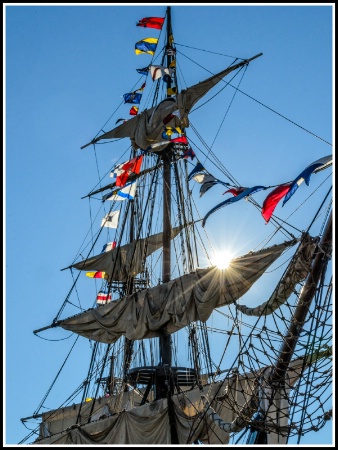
122,171
103,297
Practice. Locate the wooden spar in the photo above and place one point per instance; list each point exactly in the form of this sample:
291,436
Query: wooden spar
56,324
35,416
250,59
219,76
309,290
132,177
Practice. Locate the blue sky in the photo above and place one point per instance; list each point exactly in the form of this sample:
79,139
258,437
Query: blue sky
66,69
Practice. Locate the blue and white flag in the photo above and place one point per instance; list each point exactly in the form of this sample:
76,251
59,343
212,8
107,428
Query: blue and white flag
245,193
143,71
198,168
127,192
118,170
314,167
207,181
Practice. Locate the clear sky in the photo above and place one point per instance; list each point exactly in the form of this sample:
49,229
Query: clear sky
66,69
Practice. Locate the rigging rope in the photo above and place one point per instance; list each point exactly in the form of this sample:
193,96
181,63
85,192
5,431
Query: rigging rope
251,349
54,381
260,103
281,115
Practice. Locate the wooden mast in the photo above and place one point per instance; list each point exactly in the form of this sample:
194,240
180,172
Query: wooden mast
309,290
277,378
165,341
165,380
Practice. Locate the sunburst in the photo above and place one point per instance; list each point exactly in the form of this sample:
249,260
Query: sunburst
222,259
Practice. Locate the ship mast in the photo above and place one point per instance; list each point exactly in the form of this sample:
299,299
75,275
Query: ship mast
309,290
165,385
165,341
277,378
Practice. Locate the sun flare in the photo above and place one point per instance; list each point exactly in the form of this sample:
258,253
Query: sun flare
222,259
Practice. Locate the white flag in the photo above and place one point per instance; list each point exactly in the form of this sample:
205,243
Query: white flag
111,220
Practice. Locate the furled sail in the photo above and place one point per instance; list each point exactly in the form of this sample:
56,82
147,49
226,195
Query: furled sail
173,305
126,261
138,425
296,272
142,425
146,128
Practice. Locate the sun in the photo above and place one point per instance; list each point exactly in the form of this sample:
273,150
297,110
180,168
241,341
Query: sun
222,259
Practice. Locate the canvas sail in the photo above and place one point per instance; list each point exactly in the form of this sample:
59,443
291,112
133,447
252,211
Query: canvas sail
138,396
126,261
146,128
173,305
135,424
296,272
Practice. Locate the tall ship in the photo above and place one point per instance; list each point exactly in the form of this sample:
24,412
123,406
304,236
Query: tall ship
188,345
